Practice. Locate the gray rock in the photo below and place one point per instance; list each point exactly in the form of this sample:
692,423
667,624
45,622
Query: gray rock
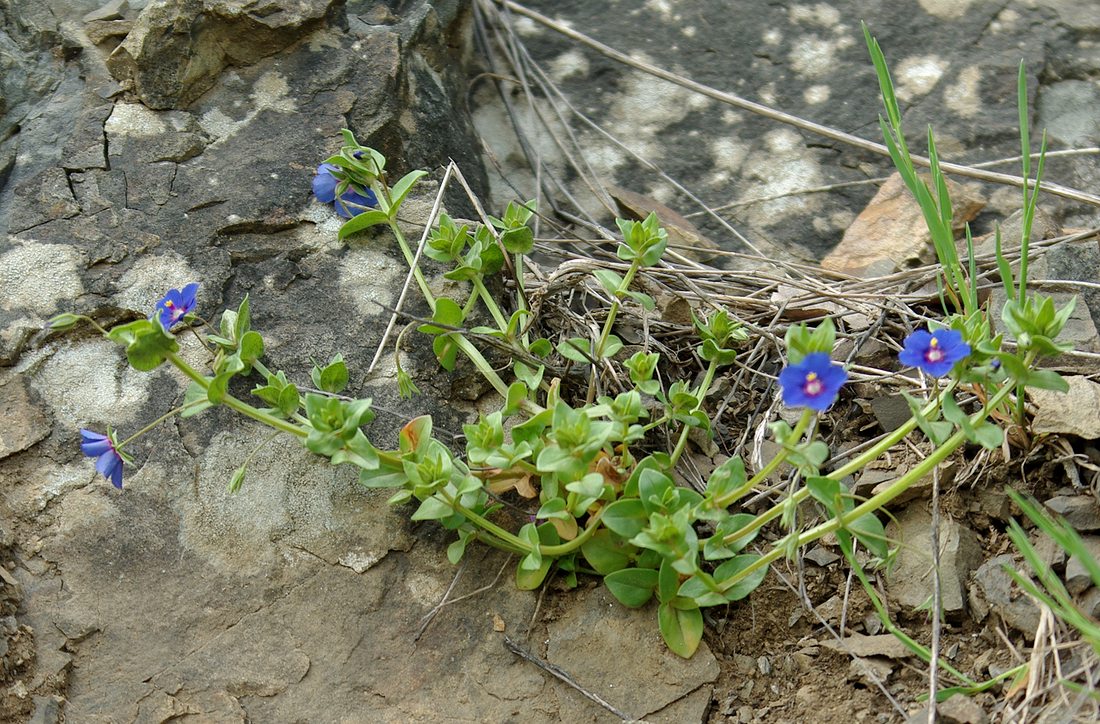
44,197
870,672
22,422
992,590
113,10
177,48
100,31
1065,110
1074,412
1089,603
587,642
1077,576
910,581
1080,511
891,411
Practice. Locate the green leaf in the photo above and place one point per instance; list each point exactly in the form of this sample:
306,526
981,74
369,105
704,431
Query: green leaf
533,560
577,349
734,566
696,589
989,436
633,587
642,299
825,491
611,346
869,531
726,478
334,377
457,549
1046,380
668,581
553,508
518,241
517,394
382,478
540,347
626,517
716,548
362,221
194,400
609,280
236,481
653,485
252,347
447,312
242,320
415,435
63,321
402,188
682,629
147,344
216,392
432,509
289,400
607,553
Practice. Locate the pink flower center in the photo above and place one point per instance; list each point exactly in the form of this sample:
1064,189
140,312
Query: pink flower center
934,353
813,385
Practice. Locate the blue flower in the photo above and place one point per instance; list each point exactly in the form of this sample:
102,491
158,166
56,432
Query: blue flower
109,462
934,353
175,305
814,382
350,203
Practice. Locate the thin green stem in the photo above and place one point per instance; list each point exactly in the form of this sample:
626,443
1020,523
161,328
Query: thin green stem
521,296
875,503
516,543
701,393
154,423
490,304
411,260
771,466
566,548
876,451
233,403
884,616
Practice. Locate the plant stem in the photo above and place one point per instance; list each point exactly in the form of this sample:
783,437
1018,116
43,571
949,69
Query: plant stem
873,504
681,444
490,304
233,403
411,260
775,462
884,616
154,423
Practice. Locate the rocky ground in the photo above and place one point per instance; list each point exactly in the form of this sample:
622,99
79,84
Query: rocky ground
144,146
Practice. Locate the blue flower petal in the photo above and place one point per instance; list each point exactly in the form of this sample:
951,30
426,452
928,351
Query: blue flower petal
108,460
934,353
324,183
94,444
175,305
814,382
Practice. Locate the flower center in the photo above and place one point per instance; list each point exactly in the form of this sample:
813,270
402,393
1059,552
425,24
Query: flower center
813,385
934,353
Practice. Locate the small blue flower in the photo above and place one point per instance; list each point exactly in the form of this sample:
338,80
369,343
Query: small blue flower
109,459
175,305
814,382
350,203
934,353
